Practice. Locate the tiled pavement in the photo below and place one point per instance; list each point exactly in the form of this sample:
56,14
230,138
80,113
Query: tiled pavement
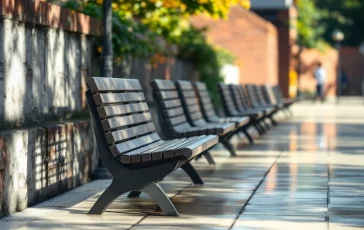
306,173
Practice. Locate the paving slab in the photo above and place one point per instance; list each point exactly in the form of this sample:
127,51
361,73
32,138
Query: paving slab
306,173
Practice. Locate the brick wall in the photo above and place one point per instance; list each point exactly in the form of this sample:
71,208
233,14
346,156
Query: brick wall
251,39
353,64
328,59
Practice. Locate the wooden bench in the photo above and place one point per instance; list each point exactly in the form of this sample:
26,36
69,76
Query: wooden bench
279,96
269,96
258,102
243,100
129,146
233,106
209,113
173,117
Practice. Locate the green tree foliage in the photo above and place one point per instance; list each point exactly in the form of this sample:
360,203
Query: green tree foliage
309,27
138,25
346,15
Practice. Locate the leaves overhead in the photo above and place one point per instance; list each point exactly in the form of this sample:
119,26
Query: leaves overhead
138,26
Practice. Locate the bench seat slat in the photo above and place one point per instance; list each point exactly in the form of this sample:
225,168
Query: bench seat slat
133,144
155,153
126,158
169,152
198,146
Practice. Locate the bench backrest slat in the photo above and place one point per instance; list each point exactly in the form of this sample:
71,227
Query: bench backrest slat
278,93
252,95
207,107
111,98
244,97
123,114
237,98
190,103
100,84
259,95
268,94
114,110
227,99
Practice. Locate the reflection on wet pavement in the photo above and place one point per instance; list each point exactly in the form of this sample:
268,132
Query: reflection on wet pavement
306,173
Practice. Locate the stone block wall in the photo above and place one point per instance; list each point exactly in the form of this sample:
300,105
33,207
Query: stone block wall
46,55
43,72
38,163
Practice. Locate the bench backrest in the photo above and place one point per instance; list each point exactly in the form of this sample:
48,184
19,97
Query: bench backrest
207,107
237,98
124,116
169,107
190,103
245,97
278,93
260,95
227,100
269,94
252,95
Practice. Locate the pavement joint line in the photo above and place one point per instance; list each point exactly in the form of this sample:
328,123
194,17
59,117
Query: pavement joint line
148,214
255,190
327,218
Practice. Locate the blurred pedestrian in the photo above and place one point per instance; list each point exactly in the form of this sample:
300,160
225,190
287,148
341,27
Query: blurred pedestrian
320,76
344,82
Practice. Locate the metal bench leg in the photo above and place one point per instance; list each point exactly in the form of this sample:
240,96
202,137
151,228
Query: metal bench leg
161,198
266,125
251,141
110,194
257,127
274,122
134,194
209,158
229,147
191,171
261,128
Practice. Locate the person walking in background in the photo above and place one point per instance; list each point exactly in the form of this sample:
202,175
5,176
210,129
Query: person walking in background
320,76
344,82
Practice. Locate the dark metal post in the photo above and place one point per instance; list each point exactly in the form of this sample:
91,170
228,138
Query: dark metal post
299,67
106,70
338,73
106,56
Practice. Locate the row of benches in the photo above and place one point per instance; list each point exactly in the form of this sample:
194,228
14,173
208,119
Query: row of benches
135,154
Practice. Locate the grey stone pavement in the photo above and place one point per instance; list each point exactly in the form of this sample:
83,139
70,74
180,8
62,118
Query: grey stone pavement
306,173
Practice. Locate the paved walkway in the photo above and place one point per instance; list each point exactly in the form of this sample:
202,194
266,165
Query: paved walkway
307,173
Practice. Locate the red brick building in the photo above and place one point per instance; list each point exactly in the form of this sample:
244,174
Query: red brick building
282,14
251,39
